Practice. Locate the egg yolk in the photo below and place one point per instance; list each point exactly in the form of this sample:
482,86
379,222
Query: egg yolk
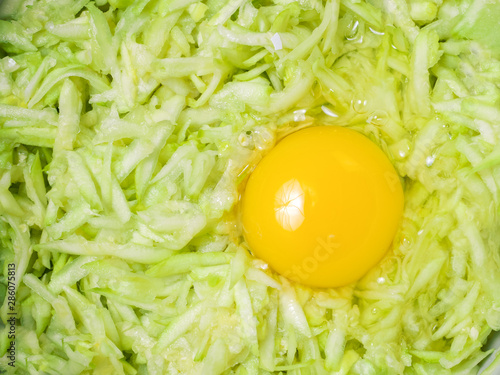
322,207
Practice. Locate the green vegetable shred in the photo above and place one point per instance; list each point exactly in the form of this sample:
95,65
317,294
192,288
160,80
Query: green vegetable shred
127,131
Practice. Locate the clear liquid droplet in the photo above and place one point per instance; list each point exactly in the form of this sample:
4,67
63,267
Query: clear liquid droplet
378,118
245,140
360,105
352,30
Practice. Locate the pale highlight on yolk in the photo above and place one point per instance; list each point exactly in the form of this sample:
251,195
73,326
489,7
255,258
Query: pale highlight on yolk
322,208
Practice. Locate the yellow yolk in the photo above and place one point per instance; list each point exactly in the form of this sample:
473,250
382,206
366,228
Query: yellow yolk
322,207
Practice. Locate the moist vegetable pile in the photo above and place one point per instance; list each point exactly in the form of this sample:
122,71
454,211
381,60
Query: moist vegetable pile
128,128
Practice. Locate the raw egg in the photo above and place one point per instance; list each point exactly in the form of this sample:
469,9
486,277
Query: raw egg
323,206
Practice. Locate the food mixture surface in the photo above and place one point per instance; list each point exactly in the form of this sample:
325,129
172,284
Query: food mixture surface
129,131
